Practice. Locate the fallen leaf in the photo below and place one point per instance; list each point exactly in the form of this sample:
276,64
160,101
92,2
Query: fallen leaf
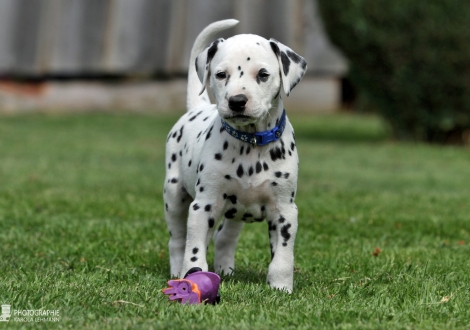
376,252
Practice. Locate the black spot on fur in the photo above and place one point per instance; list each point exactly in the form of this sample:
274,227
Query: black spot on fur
195,250
241,74
169,165
292,146
174,180
212,50
225,145
201,189
294,57
258,167
286,175
230,214
189,163
248,149
265,166
281,219
181,134
274,183
207,208
278,174
209,133
240,171
242,149
201,167
275,153
173,158
239,68
263,208
285,232
248,59
221,129
205,119
193,259
271,226
218,156
250,171
197,137
228,177
275,48
211,222
198,182
220,227
248,215
166,206
285,63
195,207
228,79
194,117
232,198
233,160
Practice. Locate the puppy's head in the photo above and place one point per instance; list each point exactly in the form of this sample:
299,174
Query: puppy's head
246,74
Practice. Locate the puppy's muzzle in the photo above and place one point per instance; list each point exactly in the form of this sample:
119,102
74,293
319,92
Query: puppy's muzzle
237,103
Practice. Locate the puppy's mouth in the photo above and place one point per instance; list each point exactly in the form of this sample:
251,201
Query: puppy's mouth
239,118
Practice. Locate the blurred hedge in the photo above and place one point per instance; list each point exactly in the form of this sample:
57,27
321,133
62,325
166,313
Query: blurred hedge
411,59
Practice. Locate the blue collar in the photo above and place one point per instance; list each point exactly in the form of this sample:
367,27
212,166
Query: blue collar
258,138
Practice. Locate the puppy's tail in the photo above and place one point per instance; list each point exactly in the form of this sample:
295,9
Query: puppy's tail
194,84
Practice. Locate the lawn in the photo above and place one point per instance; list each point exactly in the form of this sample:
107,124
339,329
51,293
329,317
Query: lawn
383,240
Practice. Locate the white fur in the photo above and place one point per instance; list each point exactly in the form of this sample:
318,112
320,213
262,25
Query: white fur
211,175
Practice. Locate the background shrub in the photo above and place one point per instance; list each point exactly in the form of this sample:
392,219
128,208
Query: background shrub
411,60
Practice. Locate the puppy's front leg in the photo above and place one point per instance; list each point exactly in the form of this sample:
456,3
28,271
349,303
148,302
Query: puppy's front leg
282,230
201,220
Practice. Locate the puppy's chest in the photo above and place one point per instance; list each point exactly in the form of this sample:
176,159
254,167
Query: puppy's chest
243,180
242,188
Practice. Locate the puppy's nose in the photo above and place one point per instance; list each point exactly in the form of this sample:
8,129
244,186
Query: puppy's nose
237,102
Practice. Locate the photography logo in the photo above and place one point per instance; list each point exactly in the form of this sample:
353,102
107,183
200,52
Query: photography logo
5,317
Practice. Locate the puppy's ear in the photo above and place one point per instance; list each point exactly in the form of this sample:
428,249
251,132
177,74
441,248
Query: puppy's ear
203,63
293,66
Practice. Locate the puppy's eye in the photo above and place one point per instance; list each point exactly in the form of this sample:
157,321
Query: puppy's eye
221,75
263,75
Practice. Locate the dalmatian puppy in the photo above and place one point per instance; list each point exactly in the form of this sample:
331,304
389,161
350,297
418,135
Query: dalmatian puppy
235,160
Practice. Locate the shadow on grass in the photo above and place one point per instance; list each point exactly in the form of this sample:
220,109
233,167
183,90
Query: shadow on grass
246,275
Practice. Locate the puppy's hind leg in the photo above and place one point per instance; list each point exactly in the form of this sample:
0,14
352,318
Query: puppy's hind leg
226,239
177,202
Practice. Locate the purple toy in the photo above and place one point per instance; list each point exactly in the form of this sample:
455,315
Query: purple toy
196,287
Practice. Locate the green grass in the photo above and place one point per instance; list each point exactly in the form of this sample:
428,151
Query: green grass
82,230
